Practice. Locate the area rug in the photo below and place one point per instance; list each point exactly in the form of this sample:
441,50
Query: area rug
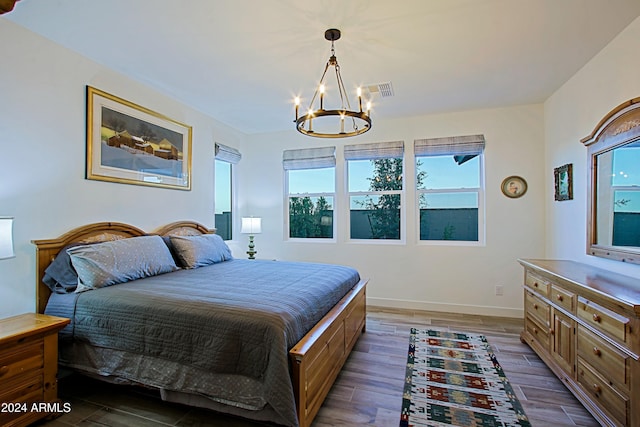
454,379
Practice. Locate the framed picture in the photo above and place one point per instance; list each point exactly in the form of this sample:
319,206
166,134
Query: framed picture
130,144
563,177
514,186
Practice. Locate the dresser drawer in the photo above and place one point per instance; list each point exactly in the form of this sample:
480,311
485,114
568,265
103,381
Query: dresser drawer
603,319
563,298
537,283
604,358
607,397
21,359
537,308
539,333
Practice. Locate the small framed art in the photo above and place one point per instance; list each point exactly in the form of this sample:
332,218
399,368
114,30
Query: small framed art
563,177
130,144
514,186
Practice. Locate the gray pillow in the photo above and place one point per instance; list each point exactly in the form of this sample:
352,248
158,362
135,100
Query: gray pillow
119,261
198,251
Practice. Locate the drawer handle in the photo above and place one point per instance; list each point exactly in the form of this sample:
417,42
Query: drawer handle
535,331
596,317
596,388
535,306
4,370
535,285
551,331
597,351
560,298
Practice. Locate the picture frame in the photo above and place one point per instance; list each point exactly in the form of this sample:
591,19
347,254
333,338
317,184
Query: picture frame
514,186
563,178
131,144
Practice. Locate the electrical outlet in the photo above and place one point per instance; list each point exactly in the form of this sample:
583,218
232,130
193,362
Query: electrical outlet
499,290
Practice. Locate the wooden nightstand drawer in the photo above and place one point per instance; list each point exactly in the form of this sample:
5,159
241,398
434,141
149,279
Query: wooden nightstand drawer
536,283
604,358
603,319
563,298
21,388
608,397
21,359
538,309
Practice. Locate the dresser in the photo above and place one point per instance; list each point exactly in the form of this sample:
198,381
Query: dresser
29,368
584,323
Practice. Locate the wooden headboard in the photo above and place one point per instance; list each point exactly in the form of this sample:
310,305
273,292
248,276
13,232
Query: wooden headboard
46,250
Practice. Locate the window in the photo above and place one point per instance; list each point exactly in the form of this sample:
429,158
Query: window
311,186
625,186
375,186
225,158
449,188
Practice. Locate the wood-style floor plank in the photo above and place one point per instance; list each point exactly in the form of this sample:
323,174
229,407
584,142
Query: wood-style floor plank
368,391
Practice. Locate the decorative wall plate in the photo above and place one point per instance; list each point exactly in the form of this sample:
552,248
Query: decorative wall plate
514,186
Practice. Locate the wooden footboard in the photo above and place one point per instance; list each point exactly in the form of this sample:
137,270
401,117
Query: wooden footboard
319,356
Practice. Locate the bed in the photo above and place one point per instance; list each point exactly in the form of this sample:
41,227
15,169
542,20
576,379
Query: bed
260,339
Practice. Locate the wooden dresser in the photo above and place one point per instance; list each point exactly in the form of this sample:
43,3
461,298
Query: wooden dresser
584,323
28,368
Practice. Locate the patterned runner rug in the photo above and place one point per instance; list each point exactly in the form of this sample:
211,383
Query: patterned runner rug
454,379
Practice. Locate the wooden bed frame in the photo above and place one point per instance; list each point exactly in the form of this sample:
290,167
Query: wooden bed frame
316,359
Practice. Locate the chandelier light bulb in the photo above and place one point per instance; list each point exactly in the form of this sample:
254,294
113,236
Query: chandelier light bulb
297,102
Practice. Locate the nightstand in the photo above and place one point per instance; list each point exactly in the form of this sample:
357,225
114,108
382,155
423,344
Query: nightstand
28,367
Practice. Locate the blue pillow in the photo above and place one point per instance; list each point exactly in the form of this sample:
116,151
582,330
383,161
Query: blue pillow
60,275
198,251
119,261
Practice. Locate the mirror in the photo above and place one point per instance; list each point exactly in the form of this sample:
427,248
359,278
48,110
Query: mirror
613,226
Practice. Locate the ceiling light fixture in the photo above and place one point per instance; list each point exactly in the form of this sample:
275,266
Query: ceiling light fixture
325,120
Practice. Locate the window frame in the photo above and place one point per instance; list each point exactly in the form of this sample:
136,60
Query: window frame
232,157
480,190
394,150
314,158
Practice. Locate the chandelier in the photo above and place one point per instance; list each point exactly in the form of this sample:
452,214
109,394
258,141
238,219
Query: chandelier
330,123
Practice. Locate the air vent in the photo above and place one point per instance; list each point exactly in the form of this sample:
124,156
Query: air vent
384,89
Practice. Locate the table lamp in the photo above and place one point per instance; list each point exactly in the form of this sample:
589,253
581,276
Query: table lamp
251,226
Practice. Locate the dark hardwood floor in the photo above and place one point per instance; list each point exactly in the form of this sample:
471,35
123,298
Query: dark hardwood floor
368,391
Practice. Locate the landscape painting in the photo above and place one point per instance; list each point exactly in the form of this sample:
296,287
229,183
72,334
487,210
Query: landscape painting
130,144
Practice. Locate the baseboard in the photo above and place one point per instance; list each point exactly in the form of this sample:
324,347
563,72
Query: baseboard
447,308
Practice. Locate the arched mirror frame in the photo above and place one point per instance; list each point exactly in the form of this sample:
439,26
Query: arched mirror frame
621,126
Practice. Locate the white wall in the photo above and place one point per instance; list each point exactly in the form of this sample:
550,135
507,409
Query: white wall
42,166
572,113
449,278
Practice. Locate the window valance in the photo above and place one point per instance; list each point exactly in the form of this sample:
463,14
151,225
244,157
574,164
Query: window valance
468,145
376,150
309,158
227,154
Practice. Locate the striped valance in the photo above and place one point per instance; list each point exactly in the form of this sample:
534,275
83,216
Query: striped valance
309,158
452,145
376,150
227,154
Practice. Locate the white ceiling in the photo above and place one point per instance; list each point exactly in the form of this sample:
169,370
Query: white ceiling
243,61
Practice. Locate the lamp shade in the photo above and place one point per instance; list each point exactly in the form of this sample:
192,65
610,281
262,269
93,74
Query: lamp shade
251,225
6,237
